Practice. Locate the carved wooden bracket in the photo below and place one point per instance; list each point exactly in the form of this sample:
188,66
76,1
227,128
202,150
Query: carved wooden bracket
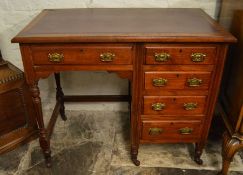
43,75
123,74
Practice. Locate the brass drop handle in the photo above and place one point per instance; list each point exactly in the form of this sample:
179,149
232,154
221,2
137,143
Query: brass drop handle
107,57
161,57
185,130
194,82
198,57
155,131
160,82
55,57
190,106
158,106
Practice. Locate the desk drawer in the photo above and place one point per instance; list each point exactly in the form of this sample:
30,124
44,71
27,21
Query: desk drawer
174,105
83,54
177,80
170,130
159,54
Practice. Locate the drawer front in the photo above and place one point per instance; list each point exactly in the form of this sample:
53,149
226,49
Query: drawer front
177,80
83,54
174,105
180,55
170,130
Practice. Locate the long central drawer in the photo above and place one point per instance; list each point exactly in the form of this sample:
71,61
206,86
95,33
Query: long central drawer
86,54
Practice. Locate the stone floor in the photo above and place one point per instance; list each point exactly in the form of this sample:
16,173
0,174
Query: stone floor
97,143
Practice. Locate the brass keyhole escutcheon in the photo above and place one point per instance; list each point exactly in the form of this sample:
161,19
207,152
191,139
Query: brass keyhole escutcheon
107,57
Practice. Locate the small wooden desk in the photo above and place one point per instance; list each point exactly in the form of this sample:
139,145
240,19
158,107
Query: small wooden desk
174,59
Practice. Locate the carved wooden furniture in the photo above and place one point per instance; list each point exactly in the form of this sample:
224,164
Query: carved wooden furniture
17,116
174,59
231,96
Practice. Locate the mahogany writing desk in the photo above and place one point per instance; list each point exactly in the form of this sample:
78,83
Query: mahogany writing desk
174,59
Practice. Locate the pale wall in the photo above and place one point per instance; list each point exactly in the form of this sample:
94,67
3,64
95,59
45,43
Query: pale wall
15,14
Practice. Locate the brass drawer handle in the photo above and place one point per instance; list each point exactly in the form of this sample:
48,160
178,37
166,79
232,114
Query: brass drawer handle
107,57
160,82
155,131
198,57
185,130
194,82
55,57
161,57
190,106
158,106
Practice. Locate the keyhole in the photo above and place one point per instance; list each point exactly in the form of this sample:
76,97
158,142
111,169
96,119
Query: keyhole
177,75
180,50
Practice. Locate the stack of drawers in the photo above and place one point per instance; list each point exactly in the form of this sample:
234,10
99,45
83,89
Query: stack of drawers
177,81
82,54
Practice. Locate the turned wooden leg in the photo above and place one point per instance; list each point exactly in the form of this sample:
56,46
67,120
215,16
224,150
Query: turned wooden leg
60,96
198,153
134,155
231,144
43,139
